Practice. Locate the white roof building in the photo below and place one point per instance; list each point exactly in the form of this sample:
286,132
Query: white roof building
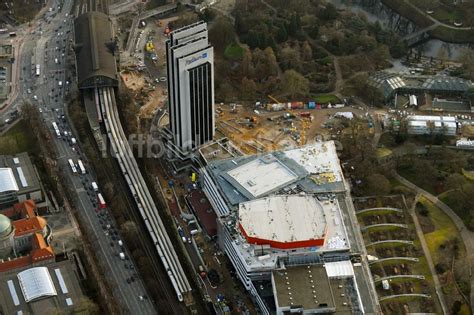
424,124
7,180
36,283
292,221
260,176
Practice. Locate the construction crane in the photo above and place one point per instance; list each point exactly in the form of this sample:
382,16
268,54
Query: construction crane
304,123
273,99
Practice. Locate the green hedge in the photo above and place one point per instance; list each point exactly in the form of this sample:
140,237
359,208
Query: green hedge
451,35
408,12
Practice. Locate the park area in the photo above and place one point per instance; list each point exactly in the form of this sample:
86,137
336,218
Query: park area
448,253
447,174
402,278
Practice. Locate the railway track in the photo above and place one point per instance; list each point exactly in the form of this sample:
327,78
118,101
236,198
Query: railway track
142,196
164,289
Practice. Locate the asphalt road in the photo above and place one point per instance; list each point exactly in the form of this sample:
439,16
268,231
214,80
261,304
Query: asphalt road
50,47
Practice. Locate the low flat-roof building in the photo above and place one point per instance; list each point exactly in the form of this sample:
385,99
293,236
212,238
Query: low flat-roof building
426,125
277,211
8,187
40,290
19,181
328,288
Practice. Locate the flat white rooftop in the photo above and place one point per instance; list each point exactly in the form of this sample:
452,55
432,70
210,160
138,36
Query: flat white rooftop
288,218
319,159
262,175
251,254
431,118
7,180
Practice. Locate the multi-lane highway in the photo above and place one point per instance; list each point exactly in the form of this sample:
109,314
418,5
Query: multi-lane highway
48,48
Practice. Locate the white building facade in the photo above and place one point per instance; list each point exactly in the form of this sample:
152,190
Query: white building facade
190,62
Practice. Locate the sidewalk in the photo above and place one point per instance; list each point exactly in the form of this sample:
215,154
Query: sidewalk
429,260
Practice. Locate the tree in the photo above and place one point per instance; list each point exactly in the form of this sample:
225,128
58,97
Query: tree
221,33
252,39
246,66
271,64
314,31
455,181
306,51
329,12
293,25
240,26
225,92
248,88
378,184
282,34
290,58
294,84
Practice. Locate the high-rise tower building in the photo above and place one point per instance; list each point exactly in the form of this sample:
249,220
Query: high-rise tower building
190,60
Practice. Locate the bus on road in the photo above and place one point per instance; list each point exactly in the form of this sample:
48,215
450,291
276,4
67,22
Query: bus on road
102,204
37,72
73,167
56,130
81,167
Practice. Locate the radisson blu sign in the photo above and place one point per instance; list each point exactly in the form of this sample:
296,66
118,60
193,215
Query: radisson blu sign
194,59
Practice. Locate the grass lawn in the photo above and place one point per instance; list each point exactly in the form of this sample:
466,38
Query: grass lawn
233,51
444,229
383,152
468,174
451,35
18,139
447,16
326,98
